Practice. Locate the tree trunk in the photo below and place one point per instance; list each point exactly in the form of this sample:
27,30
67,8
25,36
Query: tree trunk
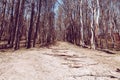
3,18
82,28
16,23
31,25
11,24
37,24
19,26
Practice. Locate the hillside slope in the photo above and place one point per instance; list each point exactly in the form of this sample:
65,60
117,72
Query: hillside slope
62,61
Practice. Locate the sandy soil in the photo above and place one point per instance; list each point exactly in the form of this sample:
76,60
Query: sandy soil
62,61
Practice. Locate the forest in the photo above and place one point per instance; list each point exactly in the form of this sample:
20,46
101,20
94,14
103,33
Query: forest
59,39
88,23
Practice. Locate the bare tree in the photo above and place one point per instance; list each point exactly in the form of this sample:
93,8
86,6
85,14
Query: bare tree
31,24
37,24
19,25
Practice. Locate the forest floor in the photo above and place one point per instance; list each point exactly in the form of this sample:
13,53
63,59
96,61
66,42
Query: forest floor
62,61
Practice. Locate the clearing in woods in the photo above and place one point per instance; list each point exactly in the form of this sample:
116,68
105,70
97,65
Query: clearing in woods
62,61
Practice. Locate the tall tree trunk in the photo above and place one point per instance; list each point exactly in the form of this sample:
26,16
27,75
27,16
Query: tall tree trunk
3,18
19,26
97,16
37,24
11,24
16,23
31,25
93,43
82,28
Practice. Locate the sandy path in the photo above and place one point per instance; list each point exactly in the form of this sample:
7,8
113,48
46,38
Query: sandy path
60,62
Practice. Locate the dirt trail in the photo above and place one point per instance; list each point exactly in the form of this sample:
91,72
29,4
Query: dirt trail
62,61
